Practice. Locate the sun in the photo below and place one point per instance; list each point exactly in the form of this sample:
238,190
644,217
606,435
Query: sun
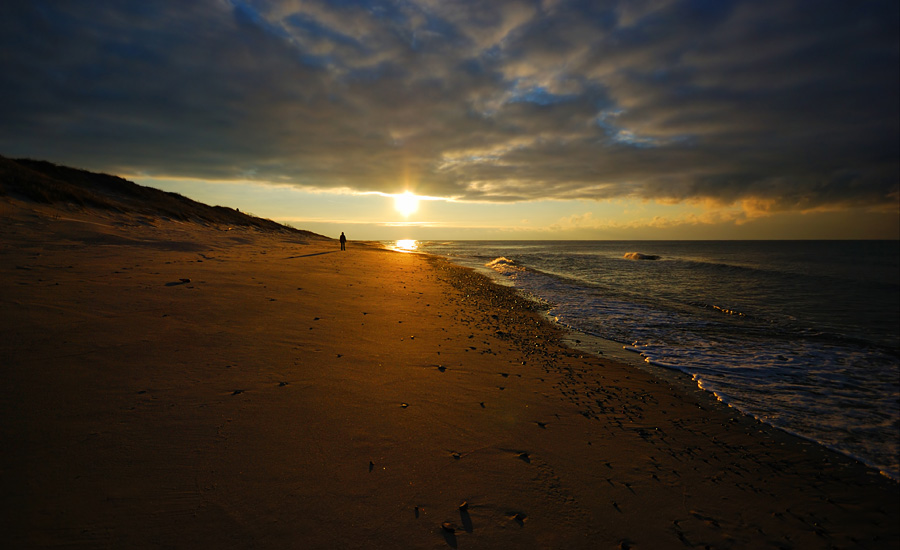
406,204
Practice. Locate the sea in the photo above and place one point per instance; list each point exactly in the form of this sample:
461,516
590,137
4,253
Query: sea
802,335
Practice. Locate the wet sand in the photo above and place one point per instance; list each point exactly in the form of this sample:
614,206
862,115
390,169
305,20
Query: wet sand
181,385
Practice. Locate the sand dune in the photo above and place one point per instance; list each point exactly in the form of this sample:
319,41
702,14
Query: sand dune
179,384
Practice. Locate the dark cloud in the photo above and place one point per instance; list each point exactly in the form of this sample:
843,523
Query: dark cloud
789,103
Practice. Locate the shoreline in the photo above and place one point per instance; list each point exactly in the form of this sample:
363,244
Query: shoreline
618,352
686,381
176,385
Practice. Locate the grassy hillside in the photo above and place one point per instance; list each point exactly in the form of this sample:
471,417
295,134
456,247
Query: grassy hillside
44,182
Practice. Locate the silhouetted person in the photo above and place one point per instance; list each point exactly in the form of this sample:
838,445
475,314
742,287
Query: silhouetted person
343,241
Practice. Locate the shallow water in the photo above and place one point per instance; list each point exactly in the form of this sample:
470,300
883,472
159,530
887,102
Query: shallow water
804,335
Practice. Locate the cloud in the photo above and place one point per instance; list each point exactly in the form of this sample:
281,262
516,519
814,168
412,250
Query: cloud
774,103
717,217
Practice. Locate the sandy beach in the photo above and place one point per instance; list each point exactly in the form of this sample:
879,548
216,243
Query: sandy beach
170,384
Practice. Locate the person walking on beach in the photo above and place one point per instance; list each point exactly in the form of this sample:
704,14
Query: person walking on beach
343,241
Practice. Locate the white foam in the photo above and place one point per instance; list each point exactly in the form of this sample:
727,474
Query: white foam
504,265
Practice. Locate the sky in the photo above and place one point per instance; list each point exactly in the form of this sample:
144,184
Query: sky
533,119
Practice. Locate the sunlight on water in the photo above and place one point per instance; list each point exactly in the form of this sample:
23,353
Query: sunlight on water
405,245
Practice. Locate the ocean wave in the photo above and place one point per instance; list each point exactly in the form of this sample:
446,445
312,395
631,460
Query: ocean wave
504,265
727,311
640,256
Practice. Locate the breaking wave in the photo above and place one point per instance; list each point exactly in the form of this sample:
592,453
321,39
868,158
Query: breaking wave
639,256
504,265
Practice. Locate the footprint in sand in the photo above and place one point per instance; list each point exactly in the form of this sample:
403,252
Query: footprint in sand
518,517
704,518
465,518
448,530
